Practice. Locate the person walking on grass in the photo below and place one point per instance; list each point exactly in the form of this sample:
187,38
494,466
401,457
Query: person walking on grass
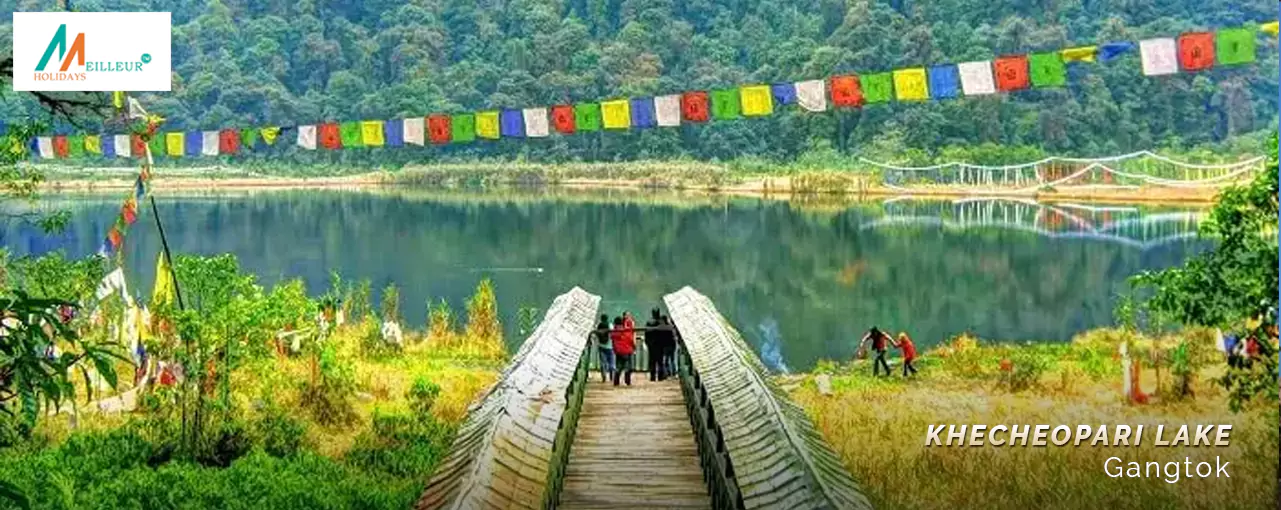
624,341
909,352
604,346
880,343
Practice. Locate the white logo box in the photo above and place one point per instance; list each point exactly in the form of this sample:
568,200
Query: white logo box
128,51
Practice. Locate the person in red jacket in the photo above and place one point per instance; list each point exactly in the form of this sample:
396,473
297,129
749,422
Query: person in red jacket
909,352
623,338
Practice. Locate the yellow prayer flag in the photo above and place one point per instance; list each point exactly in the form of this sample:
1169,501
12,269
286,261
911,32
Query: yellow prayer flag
910,84
617,114
163,293
118,99
487,125
174,143
371,133
757,100
93,144
1270,28
269,134
1079,54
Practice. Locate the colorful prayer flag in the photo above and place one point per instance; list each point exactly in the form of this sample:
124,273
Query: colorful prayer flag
812,95
512,123
617,114
1047,69
122,146
115,238
93,144
694,106
350,133
193,141
76,146
60,146
642,112
587,117
439,129
371,133
269,134
44,145
164,292
877,88
249,138
129,211
667,110
1271,28
756,100
535,122
1235,46
414,129
911,84
138,147
726,104
463,127
118,99
1196,51
487,125
944,81
1011,73
1079,54
393,131
109,146
847,91
307,137
563,119
209,143
1113,50
1159,56
976,78
330,136
784,93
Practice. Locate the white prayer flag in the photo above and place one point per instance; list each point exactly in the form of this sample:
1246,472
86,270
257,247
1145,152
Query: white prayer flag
209,143
413,131
667,109
1159,56
976,78
811,95
307,137
123,148
535,122
45,146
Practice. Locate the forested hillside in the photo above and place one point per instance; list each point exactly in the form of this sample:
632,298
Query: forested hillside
287,62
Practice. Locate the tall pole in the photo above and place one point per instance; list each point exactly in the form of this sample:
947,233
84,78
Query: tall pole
164,243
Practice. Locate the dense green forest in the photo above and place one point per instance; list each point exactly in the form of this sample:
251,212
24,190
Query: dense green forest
244,63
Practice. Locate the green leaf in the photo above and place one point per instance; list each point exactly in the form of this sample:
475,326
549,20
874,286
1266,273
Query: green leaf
14,494
105,368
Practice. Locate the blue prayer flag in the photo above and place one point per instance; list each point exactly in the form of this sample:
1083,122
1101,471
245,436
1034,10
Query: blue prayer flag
643,115
1113,50
784,93
108,146
192,142
35,147
393,132
944,81
511,123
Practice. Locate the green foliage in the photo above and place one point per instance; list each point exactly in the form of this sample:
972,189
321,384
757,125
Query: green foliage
53,276
440,323
358,304
1028,369
422,395
279,434
527,320
390,303
401,445
328,395
483,326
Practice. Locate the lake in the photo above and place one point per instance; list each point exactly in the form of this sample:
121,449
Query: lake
801,280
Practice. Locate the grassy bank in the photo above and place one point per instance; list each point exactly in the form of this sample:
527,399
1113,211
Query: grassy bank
878,427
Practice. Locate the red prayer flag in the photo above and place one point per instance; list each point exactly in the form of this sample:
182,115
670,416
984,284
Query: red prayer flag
846,91
329,136
129,211
60,146
439,129
138,146
694,106
1196,51
1011,73
228,141
563,119
115,237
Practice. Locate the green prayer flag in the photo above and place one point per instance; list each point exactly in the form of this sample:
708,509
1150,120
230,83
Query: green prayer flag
1234,46
587,116
462,128
248,138
1048,69
75,146
726,104
877,88
350,134
157,145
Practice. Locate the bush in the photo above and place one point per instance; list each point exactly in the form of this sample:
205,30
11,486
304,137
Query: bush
422,395
1027,371
390,303
328,394
278,433
401,445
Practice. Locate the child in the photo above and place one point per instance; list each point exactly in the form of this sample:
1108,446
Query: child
909,352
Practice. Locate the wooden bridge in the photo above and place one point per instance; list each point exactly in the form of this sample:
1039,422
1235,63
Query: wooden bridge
719,435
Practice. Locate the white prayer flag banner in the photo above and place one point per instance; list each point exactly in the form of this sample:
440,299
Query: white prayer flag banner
976,78
123,148
45,146
536,122
811,95
667,110
1160,56
307,137
414,130
209,143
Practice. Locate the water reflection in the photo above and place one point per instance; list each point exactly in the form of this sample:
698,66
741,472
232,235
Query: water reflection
800,281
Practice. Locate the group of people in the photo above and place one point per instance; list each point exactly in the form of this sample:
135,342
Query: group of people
616,344
880,342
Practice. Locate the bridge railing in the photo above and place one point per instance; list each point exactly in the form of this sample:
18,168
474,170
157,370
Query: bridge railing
718,473
566,429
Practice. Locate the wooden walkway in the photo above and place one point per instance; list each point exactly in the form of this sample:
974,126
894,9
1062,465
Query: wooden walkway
634,449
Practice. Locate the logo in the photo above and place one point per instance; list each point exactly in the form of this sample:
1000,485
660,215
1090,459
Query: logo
103,51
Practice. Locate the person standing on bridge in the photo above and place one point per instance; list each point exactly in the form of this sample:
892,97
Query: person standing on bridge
624,341
654,343
605,346
880,343
669,346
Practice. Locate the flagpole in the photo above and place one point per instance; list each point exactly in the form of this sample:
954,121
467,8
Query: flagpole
164,243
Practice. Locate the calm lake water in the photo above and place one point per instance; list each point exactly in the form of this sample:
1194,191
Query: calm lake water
801,281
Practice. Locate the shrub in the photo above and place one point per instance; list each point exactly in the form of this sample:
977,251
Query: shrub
1027,371
440,324
400,445
390,303
279,434
328,395
421,396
